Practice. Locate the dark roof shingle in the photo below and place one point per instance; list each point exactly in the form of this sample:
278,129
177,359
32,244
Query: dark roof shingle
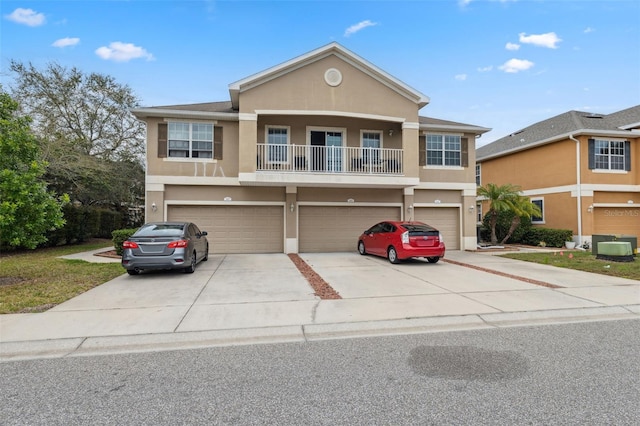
560,127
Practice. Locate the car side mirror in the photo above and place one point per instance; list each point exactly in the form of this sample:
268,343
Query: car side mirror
203,233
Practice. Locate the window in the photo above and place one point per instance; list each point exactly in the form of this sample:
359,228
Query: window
479,212
609,155
371,144
540,203
277,141
444,150
478,181
190,140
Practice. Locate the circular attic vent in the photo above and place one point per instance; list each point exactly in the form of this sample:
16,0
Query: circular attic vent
333,77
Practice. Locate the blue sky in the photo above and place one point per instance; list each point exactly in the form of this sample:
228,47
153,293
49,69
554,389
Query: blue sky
502,64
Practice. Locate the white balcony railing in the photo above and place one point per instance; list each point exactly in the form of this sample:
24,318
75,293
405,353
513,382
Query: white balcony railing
329,159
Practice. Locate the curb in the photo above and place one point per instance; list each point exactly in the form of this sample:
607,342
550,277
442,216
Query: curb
109,345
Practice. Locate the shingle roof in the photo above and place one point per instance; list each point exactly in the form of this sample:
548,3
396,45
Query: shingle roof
224,106
431,123
560,127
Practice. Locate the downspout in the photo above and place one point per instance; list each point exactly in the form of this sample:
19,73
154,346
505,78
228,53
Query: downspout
579,189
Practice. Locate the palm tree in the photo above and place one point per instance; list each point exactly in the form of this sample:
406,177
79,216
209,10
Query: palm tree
522,207
501,199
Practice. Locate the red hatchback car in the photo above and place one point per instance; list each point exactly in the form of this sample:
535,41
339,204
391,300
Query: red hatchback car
397,241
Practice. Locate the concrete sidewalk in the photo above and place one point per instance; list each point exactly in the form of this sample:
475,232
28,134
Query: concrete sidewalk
247,299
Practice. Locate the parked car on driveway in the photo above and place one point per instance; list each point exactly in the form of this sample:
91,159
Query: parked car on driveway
397,241
165,245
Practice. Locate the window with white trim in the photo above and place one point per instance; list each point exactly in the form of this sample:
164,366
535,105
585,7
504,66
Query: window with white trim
190,140
444,150
479,212
609,155
371,144
277,143
478,170
540,203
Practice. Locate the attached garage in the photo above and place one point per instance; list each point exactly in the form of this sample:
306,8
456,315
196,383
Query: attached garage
335,228
616,221
237,229
444,219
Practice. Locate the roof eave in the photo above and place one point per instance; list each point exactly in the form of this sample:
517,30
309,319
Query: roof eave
459,128
564,136
142,113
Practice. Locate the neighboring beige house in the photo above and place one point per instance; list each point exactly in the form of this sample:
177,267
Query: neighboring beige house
308,154
581,168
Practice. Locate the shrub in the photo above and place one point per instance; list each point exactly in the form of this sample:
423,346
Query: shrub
551,237
119,236
502,227
110,220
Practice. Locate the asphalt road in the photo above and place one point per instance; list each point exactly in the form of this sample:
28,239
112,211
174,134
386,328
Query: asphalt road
570,374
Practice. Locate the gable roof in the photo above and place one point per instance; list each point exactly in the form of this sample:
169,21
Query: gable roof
315,55
572,123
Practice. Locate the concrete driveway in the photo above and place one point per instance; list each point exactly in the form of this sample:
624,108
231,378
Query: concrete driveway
265,295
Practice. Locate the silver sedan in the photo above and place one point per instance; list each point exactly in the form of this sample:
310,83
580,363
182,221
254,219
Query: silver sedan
165,245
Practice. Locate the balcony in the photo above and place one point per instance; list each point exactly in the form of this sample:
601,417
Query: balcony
329,160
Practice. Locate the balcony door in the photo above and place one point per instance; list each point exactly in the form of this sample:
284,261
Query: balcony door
326,150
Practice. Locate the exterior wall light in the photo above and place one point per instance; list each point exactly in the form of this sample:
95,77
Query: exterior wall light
292,207
154,207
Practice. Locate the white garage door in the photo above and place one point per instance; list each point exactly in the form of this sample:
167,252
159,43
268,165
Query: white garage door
237,229
334,229
444,219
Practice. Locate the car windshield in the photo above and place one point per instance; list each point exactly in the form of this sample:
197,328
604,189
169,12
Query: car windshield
164,230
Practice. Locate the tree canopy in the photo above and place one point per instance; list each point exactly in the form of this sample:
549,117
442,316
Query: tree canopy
27,209
92,144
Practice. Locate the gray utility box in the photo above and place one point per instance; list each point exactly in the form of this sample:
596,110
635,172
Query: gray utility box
595,239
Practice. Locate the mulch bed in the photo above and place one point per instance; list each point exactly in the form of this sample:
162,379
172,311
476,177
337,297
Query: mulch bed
322,289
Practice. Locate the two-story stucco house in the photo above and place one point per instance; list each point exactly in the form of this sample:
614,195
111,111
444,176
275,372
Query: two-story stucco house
581,168
308,154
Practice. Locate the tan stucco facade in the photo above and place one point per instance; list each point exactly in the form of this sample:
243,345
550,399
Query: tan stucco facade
328,90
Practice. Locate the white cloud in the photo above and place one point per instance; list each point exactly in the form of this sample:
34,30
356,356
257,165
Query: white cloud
485,69
67,41
512,46
359,26
588,30
549,40
123,52
516,65
461,77
27,17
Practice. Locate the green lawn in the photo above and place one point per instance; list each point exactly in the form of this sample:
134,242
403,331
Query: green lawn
35,281
583,261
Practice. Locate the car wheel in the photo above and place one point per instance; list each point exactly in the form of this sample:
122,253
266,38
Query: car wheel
192,266
392,255
133,271
361,248
206,254
433,259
